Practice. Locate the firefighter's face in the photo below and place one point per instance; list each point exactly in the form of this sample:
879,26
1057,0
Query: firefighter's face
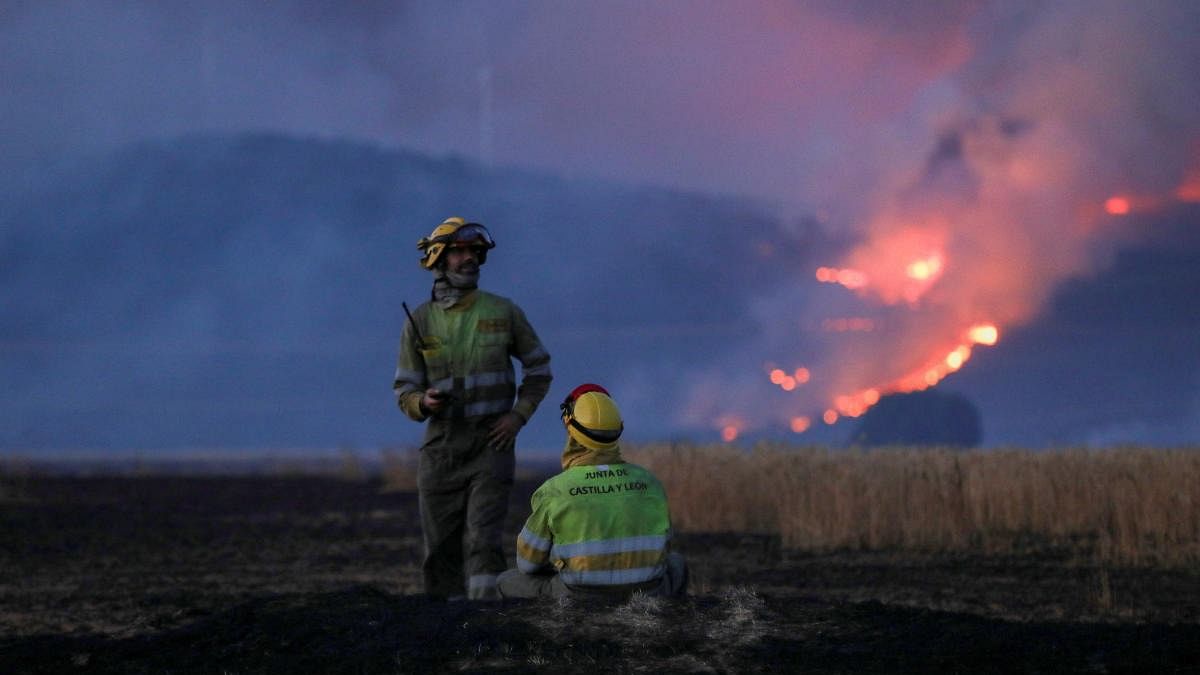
462,260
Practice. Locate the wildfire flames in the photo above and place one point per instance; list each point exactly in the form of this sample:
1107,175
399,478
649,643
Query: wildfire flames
964,214
892,281
857,403
900,267
1188,191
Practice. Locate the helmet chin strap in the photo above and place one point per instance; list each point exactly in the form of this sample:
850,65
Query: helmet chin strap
598,435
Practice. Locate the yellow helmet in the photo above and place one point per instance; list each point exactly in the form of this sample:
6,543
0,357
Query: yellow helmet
592,418
452,233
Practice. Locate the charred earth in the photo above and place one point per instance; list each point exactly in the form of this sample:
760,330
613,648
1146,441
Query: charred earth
309,573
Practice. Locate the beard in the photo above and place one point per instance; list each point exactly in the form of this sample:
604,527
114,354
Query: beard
466,276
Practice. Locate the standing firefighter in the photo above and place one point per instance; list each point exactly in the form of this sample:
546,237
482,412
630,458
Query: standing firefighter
601,527
455,370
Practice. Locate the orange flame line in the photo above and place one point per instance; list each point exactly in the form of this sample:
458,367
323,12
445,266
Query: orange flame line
857,403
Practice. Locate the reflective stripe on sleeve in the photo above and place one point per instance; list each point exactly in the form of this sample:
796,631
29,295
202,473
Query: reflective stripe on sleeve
532,551
537,371
538,353
532,540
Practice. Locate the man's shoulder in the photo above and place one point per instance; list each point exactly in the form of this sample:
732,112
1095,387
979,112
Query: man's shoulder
495,298
554,482
559,483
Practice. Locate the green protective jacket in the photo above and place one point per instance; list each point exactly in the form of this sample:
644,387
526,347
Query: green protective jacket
603,525
467,350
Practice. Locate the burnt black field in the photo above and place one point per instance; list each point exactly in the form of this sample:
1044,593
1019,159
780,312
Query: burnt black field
319,574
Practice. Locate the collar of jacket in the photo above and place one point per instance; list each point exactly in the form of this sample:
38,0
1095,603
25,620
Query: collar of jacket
575,454
463,302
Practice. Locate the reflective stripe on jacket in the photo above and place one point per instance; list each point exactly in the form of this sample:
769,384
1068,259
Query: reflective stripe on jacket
467,350
599,525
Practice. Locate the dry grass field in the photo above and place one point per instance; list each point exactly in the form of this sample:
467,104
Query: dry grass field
1120,506
802,560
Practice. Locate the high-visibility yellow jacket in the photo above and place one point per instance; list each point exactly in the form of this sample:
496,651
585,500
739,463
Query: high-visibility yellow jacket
467,350
604,525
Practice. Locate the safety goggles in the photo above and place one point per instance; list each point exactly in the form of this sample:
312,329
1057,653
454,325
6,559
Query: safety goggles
471,234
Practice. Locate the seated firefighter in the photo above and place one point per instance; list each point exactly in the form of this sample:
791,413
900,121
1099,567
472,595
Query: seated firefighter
601,526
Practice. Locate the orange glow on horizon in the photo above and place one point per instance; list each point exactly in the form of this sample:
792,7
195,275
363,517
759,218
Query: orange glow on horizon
800,424
929,375
729,433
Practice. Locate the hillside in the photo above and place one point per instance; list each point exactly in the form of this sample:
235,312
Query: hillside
244,291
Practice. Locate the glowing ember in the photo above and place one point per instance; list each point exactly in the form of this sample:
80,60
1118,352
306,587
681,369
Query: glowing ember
956,358
729,433
1117,206
851,279
844,404
801,424
984,334
830,416
789,382
923,270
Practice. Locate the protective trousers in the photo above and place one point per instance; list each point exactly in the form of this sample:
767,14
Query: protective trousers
463,487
